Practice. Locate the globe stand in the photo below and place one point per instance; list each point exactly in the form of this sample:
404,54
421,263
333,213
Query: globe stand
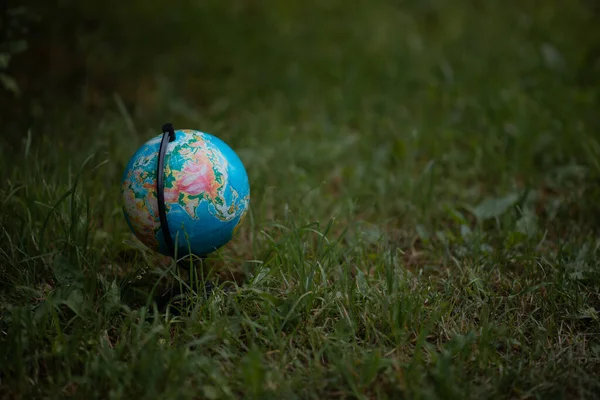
169,136
175,295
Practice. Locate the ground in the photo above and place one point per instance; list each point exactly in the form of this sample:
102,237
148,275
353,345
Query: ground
424,207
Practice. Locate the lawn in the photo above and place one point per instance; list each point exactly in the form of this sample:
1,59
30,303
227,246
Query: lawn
424,214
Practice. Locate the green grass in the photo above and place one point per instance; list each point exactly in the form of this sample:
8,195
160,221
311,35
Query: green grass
424,211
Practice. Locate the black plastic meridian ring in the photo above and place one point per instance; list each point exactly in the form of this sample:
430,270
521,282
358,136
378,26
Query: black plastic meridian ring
168,136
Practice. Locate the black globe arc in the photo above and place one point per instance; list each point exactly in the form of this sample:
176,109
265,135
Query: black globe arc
168,136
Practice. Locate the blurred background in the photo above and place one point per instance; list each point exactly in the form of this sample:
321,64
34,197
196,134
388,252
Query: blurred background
366,96
332,56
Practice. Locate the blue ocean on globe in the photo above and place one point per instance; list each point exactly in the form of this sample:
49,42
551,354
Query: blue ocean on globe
206,191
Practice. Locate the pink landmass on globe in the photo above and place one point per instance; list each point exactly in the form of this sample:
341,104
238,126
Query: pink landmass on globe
196,179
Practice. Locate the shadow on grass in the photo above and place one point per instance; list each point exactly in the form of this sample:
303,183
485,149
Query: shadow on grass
175,290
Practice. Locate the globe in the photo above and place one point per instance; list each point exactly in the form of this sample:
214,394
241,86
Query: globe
206,193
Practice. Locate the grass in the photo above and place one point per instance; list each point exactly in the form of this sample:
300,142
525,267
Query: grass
424,219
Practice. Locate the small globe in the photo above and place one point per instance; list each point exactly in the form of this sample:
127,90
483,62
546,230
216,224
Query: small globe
206,192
